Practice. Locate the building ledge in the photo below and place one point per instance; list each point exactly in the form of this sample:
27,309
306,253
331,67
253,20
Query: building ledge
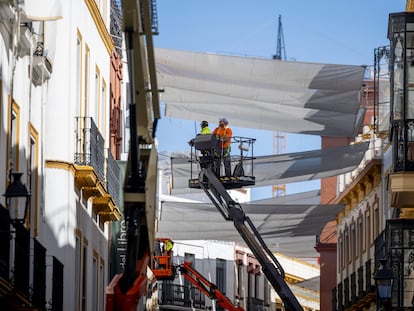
401,186
89,184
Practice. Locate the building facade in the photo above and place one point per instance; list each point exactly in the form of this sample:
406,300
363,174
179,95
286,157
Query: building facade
59,120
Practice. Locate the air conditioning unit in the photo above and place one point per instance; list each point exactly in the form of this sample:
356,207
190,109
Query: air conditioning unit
26,41
42,70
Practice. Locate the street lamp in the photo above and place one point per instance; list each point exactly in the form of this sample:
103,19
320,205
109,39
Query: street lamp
17,199
384,279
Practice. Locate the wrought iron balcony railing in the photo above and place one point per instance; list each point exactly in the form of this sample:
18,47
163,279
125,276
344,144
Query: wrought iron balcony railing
89,150
20,264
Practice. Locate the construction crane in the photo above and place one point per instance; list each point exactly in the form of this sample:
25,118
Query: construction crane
279,138
280,46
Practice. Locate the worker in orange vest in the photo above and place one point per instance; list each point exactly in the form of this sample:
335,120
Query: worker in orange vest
223,133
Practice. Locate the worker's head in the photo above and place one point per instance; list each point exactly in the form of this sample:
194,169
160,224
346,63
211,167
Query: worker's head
224,120
203,124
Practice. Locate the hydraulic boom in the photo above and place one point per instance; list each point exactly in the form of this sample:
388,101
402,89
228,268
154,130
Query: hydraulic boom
126,290
232,211
206,287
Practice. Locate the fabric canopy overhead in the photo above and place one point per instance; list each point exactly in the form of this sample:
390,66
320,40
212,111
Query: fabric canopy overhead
286,228
294,97
284,168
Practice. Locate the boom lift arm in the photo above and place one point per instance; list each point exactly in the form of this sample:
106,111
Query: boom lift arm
126,289
206,287
232,211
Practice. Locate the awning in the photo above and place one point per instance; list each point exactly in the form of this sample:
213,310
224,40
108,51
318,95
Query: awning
294,97
286,228
284,168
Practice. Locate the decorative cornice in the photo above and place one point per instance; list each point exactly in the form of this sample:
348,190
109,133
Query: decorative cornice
100,25
360,188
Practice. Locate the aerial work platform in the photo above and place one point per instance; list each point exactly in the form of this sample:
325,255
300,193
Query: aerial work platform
205,153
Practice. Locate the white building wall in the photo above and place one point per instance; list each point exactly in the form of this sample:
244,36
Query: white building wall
50,109
206,253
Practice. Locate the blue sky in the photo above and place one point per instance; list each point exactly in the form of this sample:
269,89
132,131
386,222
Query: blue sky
322,31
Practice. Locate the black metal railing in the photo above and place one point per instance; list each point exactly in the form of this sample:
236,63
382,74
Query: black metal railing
112,178
22,259
57,285
17,274
334,300
368,275
340,297
353,288
39,275
255,304
89,148
4,244
89,151
183,296
345,293
403,142
361,291
381,83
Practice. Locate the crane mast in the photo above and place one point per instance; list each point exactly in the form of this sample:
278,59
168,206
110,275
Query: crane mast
280,45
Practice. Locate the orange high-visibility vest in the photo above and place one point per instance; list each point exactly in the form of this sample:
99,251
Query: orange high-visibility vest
222,133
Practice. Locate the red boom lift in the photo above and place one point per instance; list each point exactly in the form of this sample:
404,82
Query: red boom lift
206,287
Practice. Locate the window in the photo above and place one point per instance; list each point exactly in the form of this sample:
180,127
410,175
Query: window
81,272
102,109
86,82
101,286
266,295
240,278
95,282
257,282
79,73
353,242
377,220
347,247
33,172
14,134
361,244
221,274
368,225
250,282
77,270
97,110
84,274
188,258
341,252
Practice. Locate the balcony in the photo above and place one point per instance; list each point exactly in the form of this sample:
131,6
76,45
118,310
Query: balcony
346,296
178,297
96,174
18,259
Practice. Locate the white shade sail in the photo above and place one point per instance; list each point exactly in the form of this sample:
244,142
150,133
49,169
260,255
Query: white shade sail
294,97
286,228
284,168
275,95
